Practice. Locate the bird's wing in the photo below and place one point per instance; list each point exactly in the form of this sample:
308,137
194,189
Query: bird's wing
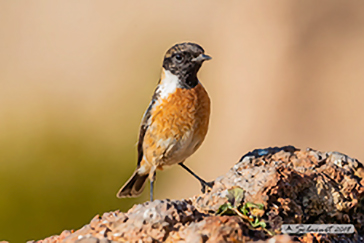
145,125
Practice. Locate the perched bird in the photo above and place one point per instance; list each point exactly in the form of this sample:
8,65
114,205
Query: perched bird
176,121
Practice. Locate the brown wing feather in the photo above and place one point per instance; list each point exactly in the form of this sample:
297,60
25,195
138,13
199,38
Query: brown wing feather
144,125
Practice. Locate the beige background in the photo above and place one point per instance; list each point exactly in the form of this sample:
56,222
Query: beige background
76,77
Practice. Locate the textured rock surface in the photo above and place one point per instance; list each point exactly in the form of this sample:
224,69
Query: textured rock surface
295,186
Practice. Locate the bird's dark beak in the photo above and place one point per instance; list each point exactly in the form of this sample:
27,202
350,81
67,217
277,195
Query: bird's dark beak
201,58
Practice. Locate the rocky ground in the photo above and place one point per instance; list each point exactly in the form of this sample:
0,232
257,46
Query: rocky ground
265,189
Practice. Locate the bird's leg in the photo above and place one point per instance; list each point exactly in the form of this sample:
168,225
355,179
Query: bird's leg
203,182
152,186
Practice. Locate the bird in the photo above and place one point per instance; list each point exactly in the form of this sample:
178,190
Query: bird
176,121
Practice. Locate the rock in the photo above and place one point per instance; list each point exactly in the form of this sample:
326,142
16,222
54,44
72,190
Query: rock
265,189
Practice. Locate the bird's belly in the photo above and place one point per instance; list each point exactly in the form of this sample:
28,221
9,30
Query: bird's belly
176,151
178,128
175,138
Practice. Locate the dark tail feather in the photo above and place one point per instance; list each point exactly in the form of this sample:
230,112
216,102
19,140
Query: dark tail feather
134,186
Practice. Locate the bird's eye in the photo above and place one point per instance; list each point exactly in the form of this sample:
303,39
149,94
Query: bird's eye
178,57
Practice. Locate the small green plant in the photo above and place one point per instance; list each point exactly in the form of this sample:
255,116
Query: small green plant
251,212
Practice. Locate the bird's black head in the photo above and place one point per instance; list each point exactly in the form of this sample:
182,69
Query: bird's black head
184,60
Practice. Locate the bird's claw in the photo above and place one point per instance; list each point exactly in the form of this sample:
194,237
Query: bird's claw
206,184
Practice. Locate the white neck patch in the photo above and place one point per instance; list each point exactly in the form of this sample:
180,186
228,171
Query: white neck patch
168,84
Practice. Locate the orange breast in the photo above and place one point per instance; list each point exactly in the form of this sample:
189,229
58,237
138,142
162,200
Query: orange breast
178,127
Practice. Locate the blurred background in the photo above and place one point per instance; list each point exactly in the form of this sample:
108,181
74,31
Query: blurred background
76,77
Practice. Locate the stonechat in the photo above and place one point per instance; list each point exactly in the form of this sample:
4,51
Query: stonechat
176,120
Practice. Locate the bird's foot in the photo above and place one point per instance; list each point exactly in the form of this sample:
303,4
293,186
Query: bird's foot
206,185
